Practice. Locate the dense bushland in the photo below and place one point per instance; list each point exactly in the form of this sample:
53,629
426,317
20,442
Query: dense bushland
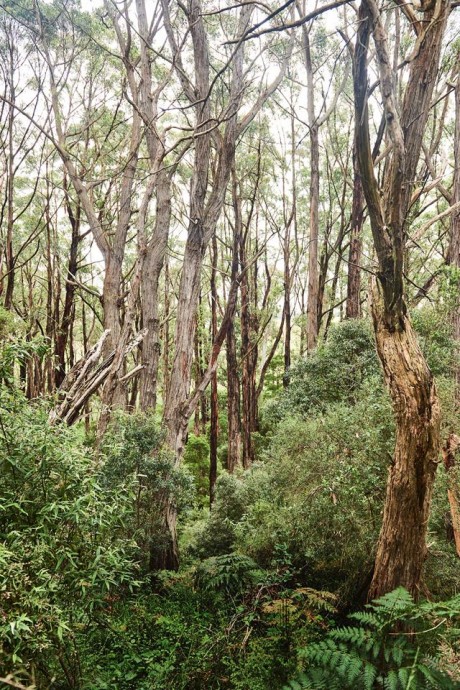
268,574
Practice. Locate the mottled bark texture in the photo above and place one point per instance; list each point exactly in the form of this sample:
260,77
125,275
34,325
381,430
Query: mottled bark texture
401,549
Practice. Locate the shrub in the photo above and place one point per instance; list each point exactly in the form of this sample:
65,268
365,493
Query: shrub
134,453
63,554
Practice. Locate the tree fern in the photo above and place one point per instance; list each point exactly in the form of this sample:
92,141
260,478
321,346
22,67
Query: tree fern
388,648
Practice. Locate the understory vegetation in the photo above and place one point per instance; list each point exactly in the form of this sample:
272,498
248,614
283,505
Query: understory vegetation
229,345
271,592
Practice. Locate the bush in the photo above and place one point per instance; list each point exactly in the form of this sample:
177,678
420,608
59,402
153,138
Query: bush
134,453
333,373
63,554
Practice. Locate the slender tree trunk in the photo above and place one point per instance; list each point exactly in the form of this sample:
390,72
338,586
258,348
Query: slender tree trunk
249,357
70,287
353,306
233,379
452,444
233,403
449,453
454,244
165,329
150,285
214,407
313,277
9,250
313,274
287,304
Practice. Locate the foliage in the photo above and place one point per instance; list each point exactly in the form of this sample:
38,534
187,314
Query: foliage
310,494
216,533
334,373
230,573
62,550
196,459
133,452
435,336
189,637
15,352
392,645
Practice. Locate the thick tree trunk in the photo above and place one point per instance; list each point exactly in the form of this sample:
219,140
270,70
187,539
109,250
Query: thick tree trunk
401,549
164,554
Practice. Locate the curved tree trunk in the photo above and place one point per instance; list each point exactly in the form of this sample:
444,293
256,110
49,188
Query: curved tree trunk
401,549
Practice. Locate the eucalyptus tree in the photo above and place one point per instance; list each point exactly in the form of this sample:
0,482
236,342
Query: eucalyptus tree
205,205
401,548
18,139
454,239
315,121
216,130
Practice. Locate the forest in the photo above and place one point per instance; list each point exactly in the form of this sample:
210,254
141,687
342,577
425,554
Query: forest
229,344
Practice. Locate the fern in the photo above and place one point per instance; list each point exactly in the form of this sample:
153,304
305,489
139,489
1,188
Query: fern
229,573
388,648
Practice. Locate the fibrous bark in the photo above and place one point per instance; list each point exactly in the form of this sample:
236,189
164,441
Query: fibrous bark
401,549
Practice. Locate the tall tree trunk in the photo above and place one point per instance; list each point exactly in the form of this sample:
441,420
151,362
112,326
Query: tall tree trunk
156,247
249,357
153,265
233,403
287,301
214,407
165,328
452,444
454,243
233,379
70,287
313,276
353,306
401,548
9,250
